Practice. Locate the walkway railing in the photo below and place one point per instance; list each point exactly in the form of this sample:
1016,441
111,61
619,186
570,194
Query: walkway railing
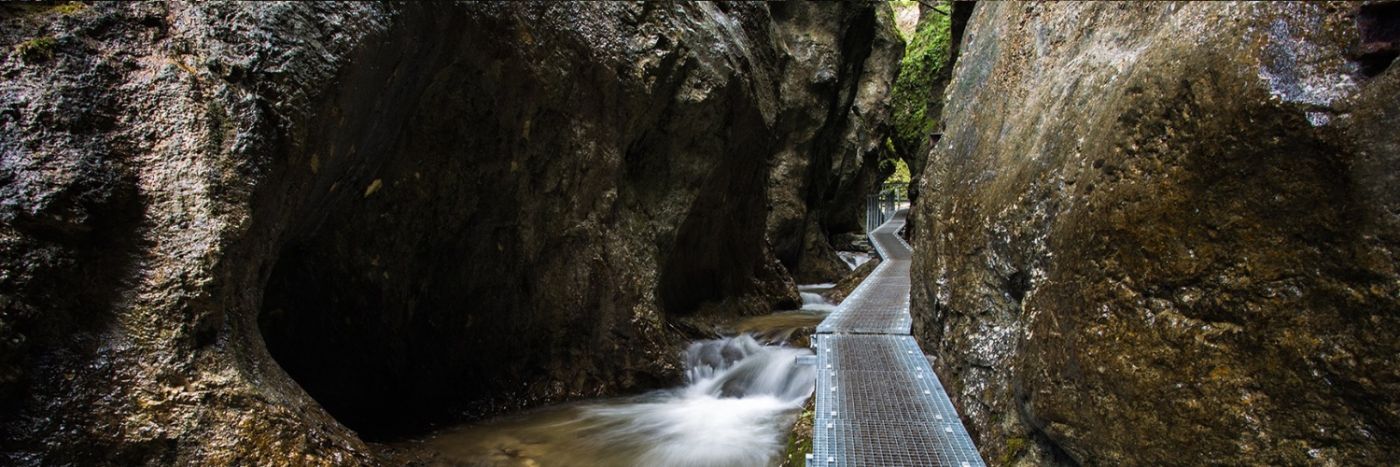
881,206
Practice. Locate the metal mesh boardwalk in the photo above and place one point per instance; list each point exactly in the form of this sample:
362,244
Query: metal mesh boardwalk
878,401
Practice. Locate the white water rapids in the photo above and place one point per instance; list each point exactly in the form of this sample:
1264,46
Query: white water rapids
736,409
812,300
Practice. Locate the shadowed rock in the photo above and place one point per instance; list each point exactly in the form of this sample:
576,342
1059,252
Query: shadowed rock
423,212
834,86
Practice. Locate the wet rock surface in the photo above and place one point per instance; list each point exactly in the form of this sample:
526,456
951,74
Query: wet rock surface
1167,234
834,85
848,284
232,230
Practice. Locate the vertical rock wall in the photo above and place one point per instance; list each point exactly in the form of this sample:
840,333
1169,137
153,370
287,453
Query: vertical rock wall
834,84
232,229
1167,233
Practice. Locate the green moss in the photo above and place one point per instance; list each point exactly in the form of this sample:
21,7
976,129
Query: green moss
25,9
217,120
800,441
68,8
1014,446
920,83
36,49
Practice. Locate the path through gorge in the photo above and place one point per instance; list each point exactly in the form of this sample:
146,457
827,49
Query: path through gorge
642,233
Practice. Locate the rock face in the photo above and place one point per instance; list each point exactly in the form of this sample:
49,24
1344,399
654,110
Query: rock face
1168,234
834,86
421,211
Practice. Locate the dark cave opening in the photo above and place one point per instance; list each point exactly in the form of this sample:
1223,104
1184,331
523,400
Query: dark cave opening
392,311
411,305
398,300
1379,25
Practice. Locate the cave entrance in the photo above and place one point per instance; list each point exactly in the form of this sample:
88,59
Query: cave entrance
399,298
395,320
406,304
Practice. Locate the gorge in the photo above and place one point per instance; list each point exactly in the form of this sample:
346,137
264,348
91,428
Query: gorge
313,233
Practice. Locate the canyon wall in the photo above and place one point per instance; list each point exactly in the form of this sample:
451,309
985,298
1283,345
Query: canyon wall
834,85
254,233
1167,233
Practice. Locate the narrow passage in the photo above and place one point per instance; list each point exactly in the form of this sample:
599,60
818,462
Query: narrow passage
878,399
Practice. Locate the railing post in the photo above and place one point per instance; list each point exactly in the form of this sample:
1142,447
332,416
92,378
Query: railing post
867,214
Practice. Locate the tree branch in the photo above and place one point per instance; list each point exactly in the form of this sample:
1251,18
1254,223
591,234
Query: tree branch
932,7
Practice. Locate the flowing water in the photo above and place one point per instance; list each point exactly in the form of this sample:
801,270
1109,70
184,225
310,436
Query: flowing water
853,259
812,299
791,327
736,409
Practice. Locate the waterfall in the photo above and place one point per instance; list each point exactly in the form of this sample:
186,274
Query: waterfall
812,299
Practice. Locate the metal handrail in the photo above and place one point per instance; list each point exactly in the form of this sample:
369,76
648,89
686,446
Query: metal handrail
882,205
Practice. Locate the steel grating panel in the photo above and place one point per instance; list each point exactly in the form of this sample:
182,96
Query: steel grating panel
880,305
878,401
887,406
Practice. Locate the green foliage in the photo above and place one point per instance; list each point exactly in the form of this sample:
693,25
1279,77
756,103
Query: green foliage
36,49
896,168
901,172
919,82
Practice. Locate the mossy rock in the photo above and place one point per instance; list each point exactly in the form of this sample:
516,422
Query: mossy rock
918,90
37,49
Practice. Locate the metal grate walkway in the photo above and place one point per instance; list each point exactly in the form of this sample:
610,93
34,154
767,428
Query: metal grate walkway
878,401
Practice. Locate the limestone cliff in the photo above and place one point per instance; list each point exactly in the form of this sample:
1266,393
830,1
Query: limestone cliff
834,85
249,233
1167,233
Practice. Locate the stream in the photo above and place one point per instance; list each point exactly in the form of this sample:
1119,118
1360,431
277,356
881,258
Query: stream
737,408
